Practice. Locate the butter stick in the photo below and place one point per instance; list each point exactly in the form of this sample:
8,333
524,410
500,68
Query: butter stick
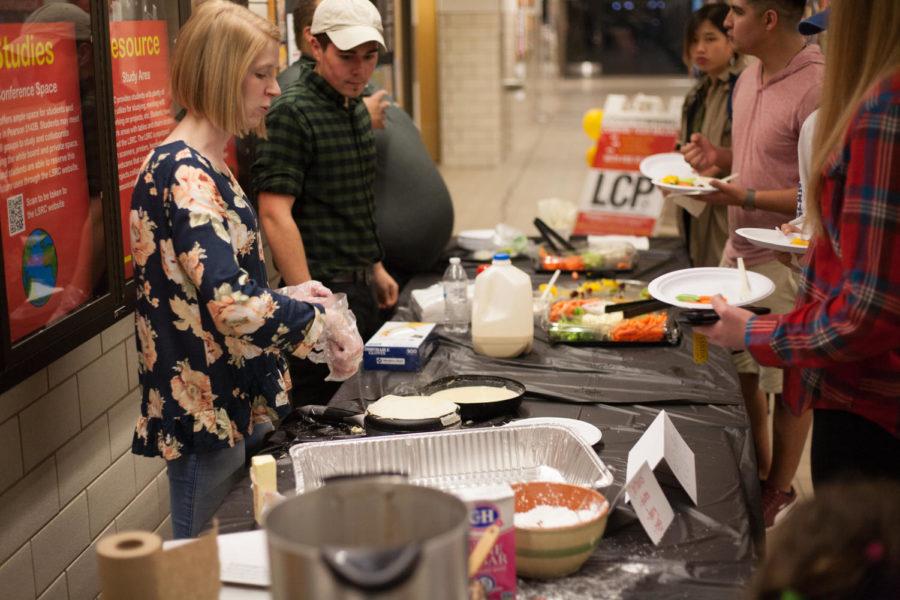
264,478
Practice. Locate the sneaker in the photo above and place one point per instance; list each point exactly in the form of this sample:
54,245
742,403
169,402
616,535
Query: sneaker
776,504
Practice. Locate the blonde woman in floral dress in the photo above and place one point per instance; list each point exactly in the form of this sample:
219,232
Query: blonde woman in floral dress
211,336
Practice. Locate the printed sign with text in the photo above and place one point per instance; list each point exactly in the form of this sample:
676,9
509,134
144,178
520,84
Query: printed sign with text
143,104
47,242
616,198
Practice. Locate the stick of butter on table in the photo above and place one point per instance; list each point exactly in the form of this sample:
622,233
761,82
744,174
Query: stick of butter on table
263,476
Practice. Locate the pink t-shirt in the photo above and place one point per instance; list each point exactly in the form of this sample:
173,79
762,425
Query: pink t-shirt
766,122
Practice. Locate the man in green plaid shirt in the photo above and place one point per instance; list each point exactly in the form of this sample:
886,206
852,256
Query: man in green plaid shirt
314,175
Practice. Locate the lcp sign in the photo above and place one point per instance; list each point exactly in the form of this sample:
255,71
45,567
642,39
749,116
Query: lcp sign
616,198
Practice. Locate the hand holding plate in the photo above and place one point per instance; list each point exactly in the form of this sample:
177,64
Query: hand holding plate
729,193
729,330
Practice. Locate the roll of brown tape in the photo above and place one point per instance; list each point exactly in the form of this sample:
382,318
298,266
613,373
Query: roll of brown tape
129,566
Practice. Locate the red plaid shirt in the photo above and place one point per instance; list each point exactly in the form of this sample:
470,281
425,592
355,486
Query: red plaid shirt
844,331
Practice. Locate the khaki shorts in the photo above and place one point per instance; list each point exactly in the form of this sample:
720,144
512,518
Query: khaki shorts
781,301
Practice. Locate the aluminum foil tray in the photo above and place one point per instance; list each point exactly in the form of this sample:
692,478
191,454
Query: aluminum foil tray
457,459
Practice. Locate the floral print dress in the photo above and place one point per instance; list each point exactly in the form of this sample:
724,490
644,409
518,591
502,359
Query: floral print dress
211,336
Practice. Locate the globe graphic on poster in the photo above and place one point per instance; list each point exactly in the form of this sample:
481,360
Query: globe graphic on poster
39,267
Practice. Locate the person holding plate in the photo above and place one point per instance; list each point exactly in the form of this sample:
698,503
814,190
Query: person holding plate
707,110
772,98
844,332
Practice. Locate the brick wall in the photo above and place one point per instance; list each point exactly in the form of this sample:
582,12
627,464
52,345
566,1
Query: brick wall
474,114
67,475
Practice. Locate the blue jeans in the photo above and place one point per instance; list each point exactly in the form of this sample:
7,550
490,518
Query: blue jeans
198,483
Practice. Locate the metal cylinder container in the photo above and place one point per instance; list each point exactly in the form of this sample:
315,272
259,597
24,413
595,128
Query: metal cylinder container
365,538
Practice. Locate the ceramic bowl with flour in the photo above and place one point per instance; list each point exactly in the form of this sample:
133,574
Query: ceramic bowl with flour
558,526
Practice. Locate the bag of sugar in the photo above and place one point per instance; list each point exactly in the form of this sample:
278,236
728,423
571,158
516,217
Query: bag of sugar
489,505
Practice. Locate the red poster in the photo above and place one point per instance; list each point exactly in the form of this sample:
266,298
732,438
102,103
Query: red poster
47,242
231,156
143,104
599,223
624,148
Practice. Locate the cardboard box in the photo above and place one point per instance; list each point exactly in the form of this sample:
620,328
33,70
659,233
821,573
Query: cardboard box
489,505
399,346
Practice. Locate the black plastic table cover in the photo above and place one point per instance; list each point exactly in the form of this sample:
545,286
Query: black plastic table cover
571,373
710,548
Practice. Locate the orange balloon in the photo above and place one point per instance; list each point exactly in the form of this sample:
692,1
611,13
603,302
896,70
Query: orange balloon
590,155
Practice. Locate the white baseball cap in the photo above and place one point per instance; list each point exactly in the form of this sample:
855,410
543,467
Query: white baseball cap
348,23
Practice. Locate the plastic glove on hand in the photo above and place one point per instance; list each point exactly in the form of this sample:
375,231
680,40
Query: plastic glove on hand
308,291
343,346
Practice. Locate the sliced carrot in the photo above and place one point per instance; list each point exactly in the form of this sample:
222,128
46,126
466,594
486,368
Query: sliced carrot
646,328
565,308
550,262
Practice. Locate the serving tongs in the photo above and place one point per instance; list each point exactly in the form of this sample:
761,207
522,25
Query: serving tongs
553,238
636,308
692,316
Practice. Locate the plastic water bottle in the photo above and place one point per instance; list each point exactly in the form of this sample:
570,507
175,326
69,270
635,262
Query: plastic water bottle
456,299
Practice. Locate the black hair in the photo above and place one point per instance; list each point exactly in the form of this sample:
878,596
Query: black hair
715,13
791,11
323,40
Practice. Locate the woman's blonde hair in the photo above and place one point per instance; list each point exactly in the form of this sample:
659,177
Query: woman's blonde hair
213,54
863,48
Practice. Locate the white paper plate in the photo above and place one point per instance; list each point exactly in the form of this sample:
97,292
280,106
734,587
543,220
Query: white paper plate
701,186
657,166
709,281
476,239
588,433
772,239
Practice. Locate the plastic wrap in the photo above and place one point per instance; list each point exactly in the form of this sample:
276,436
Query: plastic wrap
339,345
580,315
603,257
580,374
308,291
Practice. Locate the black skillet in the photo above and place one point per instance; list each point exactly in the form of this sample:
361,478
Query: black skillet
481,411
381,426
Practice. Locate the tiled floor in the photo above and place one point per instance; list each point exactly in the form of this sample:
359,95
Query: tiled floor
548,146
547,159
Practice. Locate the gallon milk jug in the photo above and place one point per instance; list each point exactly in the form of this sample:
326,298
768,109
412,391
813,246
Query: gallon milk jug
502,312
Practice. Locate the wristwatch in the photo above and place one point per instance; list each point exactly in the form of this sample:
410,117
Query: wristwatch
750,200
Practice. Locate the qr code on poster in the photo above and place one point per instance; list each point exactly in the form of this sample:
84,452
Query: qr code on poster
15,214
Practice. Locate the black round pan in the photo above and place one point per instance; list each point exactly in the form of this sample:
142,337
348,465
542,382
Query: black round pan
381,426
481,411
